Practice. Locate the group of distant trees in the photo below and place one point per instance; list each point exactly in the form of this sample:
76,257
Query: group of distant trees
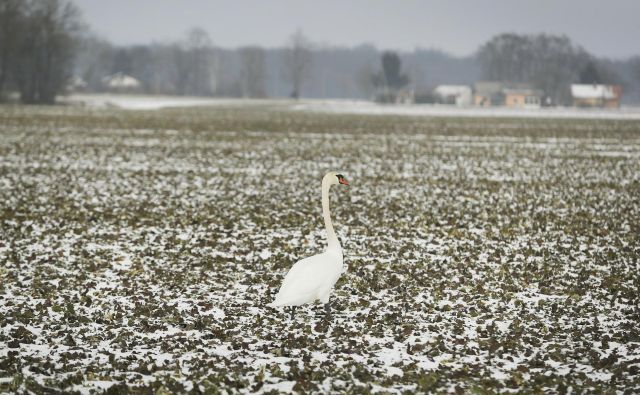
298,62
193,66
37,41
546,62
187,67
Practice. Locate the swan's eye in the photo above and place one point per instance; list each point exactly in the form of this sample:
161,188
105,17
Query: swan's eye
340,176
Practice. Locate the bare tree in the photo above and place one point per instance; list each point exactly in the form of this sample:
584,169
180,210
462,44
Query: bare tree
194,64
364,81
507,57
298,61
165,76
590,74
47,47
253,72
634,64
94,60
11,25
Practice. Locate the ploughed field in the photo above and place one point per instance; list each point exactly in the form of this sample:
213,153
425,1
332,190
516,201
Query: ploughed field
138,252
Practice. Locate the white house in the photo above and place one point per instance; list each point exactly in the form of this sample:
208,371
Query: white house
596,95
121,82
460,95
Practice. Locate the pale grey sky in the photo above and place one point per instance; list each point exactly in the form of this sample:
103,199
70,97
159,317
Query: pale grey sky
604,27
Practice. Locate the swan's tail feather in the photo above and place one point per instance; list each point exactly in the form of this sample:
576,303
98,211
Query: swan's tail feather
291,300
277,301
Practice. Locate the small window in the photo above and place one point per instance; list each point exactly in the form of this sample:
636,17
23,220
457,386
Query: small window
532,100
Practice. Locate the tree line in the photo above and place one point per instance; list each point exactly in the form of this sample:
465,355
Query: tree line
43,43
194,66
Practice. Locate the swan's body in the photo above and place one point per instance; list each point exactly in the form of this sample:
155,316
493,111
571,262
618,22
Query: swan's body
313,278
310,279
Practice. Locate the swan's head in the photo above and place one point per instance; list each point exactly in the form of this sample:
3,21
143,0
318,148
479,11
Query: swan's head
334,178
341,179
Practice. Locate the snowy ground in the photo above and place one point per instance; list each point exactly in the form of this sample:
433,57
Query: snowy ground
139,250
369,108
146,102
143,102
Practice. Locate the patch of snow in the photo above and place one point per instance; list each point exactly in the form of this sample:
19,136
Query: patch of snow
369,108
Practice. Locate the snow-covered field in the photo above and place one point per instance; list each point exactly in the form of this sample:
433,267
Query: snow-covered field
145,102
431,110
139,250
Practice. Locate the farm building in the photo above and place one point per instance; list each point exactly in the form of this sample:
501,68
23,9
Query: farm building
522,98
460,95
509,94
488,93
596,95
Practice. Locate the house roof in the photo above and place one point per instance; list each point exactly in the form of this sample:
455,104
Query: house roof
488,87
499,87
523,91
595,91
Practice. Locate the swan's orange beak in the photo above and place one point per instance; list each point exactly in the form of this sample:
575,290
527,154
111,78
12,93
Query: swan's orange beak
343,181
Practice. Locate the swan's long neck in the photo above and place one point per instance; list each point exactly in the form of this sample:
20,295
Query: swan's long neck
332,239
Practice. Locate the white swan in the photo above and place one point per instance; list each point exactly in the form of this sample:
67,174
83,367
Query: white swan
313,278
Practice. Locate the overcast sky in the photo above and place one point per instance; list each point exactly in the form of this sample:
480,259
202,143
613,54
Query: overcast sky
604,27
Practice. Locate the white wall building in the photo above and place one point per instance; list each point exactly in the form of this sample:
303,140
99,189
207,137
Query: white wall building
460,95
596,95
121,82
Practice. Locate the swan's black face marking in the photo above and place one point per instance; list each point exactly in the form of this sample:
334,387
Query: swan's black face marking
342,180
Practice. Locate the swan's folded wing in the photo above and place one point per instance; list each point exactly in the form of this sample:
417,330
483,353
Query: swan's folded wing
303,281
